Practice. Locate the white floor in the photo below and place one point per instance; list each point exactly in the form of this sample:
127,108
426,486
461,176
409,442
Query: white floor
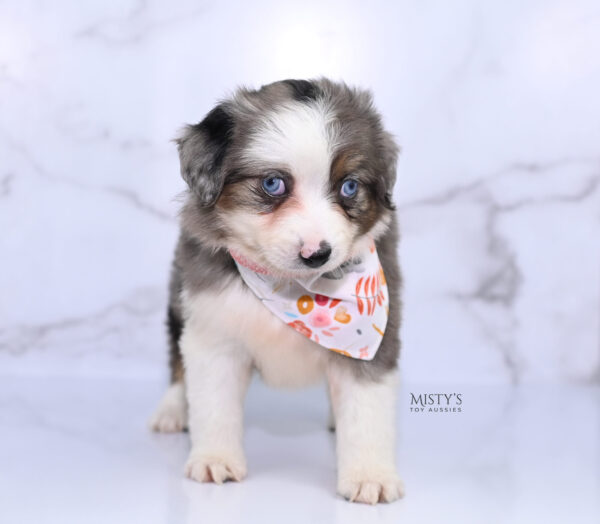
79,452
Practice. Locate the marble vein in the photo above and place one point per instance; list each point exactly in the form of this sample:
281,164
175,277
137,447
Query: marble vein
500,286
135,26
522,168
511,88
127,195
6,182
116,316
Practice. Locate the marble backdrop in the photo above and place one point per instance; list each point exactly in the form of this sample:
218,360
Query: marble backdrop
496,106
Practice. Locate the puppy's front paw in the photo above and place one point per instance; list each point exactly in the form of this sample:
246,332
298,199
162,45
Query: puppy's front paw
171,414
169,418
371,489
215,467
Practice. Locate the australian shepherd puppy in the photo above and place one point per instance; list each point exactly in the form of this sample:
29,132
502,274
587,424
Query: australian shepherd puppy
293,180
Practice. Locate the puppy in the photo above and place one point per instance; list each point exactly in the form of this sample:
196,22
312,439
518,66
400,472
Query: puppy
288,183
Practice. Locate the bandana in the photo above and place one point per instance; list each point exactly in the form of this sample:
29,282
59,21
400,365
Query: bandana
344,310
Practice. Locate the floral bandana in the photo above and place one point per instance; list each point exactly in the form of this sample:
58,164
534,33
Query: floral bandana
344,310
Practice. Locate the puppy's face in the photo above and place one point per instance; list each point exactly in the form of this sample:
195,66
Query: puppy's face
294,178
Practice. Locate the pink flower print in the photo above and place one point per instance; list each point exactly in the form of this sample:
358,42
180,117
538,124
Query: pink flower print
320,318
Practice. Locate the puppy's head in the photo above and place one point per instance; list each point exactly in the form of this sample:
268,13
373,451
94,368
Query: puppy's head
295,177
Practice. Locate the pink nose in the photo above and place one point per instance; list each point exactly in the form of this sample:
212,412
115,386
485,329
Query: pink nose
309,248
315,256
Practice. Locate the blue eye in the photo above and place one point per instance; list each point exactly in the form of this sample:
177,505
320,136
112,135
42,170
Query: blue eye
274,185
349,188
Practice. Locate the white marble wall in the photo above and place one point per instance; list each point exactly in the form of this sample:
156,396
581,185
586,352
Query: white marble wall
496,106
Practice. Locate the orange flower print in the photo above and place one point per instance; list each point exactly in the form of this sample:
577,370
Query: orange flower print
359,302
305,304
301,328
342,315
372,294
380,297
382,276
377,329
341,352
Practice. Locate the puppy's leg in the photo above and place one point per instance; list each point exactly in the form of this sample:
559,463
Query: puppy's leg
171,414
217,376
365,426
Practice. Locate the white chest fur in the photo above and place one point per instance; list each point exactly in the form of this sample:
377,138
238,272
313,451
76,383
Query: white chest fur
283,357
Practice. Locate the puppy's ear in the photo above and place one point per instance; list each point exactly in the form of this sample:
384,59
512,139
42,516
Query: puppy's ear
202,149
389,156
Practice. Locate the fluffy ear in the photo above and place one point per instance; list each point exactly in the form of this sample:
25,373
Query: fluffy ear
389,155
202,148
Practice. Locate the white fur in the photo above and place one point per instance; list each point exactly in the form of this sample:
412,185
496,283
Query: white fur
298,135
171,414
225,335
217,375
282,356
299,138
365,423
228,333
